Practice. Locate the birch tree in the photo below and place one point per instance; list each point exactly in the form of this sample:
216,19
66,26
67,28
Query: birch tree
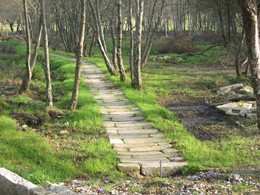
99,33
79,54
119,42
137,56
46,55
27,78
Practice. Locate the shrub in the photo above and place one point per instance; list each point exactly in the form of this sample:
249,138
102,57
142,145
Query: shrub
180,44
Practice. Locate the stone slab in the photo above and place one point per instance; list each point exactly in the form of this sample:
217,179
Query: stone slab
144,149
124,145
143,161
129,167
169,150
141,131
127,124
128,153
164,169
116,141
13,184
121,118
144,140
128,136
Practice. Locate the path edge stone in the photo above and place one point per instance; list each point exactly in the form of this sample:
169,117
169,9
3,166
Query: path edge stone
12,184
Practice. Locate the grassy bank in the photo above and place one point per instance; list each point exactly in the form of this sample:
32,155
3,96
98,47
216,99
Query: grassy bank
192,80
66,144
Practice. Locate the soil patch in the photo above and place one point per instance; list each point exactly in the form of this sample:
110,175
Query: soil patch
203,121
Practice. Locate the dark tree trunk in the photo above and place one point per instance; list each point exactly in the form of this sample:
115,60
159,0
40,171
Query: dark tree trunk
11,25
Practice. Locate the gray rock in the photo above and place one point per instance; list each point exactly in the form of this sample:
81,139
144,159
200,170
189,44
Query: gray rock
13,184
227,89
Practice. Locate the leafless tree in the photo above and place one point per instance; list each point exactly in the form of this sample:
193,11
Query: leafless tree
79,54
27,79
46,54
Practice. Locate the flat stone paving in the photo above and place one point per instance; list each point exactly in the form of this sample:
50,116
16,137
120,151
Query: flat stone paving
140,147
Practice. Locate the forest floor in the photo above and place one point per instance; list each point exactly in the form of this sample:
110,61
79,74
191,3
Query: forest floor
195,107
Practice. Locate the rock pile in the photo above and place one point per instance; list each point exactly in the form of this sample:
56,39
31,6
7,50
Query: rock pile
239,104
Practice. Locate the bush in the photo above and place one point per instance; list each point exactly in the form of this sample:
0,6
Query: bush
180,44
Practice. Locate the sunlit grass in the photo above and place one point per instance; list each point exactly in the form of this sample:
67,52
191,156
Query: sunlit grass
41,153
162,81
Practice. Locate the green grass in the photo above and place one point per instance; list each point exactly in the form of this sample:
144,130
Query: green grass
83,151
162,81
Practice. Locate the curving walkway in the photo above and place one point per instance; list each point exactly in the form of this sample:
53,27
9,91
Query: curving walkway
141,148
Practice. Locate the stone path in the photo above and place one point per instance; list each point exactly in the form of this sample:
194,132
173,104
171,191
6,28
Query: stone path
140,147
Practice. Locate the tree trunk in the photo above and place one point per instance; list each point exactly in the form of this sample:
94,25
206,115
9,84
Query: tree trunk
74,99
119,42
11,25
151,29
113,36
131,32
37,45
27,79
91,45
137,82
238,51
100,37
46,54
250,22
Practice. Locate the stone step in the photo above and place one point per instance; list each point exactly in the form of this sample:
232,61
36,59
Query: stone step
145,149
144,161
162,169
141,131
120,145
123,118
127,136
127,124
144,140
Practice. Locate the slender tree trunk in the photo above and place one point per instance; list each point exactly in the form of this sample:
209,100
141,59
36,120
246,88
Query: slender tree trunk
119,42
46,53
250,22
113,36
74,99
91,45
11,25
100,37
131,32
151,29
137,82
37,45
27,79
238,51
